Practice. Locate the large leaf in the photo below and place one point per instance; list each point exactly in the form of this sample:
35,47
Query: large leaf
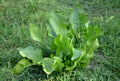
32,53
92,33
58,65
90,44
21,65
76,54
57,24
35,33
58,43
89,52
64,45
50,30
77,19
47,64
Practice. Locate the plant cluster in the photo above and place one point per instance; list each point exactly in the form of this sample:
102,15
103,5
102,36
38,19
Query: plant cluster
69,46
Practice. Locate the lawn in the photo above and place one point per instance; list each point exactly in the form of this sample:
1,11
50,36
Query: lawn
15,19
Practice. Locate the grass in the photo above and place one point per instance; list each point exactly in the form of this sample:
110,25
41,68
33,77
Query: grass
15,17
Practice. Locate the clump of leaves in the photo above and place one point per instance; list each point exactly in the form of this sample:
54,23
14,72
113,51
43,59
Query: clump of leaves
70,45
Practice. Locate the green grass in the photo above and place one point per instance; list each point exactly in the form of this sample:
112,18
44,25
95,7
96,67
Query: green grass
15,17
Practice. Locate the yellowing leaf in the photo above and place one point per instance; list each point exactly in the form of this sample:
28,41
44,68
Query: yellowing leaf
47,64
32,53
21,65
58,65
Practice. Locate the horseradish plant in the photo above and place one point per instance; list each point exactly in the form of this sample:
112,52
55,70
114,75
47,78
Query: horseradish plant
68,46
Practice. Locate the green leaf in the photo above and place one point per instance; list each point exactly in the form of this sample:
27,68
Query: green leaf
35,33
21,65
51,32
72,66
32,53
57,24
77,19
76,54
64,46
85,60
92,33
92,46
47,64
58,65
89,52
58,43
